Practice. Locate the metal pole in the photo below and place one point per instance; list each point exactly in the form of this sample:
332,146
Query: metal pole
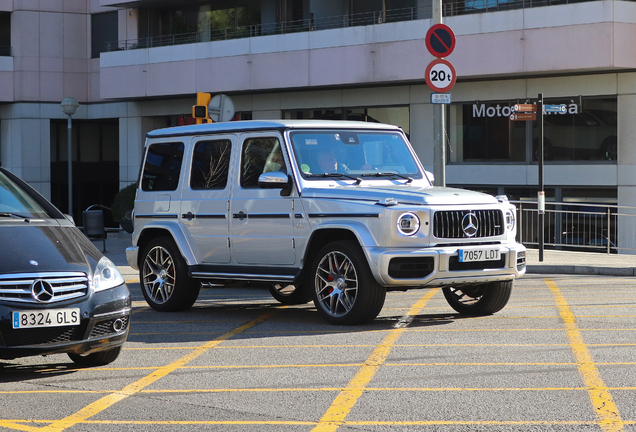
541,193
609,217
439,121
70,168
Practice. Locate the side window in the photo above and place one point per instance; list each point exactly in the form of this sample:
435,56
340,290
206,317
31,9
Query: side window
259,155
210,164
162,167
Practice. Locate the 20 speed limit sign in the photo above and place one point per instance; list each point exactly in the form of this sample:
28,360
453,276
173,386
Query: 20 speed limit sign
440,75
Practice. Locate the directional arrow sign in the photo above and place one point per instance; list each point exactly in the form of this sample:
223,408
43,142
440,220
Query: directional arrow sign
555,109
525,108
440,75
523,116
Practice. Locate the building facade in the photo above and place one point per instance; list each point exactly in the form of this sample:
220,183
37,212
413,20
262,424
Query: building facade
135,66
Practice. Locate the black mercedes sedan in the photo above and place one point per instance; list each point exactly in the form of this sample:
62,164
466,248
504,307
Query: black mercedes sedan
58,293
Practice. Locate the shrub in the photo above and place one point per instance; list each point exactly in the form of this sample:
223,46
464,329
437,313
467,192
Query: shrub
124,202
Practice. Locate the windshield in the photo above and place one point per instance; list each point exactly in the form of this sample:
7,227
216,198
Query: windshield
321,154
16,203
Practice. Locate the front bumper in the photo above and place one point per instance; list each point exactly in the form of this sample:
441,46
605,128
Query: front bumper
105,324
132,253
438,266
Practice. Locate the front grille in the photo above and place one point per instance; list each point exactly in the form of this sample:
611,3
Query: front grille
448,224
104,328
65,286
411,268
521,260
455,265
42,335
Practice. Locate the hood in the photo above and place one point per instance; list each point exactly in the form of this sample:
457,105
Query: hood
403,194
47,247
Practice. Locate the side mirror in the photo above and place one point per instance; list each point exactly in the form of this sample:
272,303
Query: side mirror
276,180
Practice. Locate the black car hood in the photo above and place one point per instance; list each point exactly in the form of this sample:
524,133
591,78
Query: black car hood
45,247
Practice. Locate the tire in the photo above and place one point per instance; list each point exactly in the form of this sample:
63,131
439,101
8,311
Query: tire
99,358
288,294
479,300
343,287
163,276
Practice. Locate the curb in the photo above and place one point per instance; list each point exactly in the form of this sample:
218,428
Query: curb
581,270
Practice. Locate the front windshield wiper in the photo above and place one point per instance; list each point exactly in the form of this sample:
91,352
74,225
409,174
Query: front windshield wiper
389,174
337,175
15,216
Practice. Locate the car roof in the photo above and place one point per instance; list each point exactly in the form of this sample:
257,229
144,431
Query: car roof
253,125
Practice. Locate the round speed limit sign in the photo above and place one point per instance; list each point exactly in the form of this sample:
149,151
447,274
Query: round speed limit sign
440,75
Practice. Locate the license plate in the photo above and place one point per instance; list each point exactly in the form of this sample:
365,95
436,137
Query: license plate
470,255
46,318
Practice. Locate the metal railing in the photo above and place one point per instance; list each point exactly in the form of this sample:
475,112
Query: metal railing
449,8
578,226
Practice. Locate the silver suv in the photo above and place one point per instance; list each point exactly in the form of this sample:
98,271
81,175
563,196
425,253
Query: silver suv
334,211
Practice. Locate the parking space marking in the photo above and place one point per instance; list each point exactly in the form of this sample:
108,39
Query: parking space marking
347,398
602,401
131,389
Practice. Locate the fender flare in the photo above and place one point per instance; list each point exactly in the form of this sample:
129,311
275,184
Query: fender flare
179,238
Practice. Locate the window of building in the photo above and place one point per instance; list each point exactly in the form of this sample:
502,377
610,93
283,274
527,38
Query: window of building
5,34
202,22
104,33
210,164
95,155
483,132
398,116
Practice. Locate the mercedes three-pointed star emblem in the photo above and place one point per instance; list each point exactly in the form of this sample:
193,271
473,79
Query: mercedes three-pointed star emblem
470,224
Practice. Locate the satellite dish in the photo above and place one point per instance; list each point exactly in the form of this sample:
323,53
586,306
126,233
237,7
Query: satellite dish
221,108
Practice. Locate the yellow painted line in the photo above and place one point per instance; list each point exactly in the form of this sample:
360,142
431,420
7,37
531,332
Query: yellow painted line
347,398
344,423
606,410
131,389
321,389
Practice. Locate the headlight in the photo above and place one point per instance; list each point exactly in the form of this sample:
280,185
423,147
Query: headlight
510,220
408,224
106,275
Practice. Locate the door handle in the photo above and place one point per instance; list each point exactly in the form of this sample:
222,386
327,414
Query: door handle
189,216
240,215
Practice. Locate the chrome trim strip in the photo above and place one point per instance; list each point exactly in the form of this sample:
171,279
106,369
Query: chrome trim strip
157,216
125,311
239,276
355,215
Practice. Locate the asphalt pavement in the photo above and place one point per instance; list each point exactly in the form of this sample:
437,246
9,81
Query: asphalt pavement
554,261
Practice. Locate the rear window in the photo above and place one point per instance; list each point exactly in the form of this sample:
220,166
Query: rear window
162,167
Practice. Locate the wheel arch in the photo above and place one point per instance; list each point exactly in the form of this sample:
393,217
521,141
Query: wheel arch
327,234
151,232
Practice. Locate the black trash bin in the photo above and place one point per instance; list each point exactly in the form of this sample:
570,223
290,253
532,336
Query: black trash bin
94,225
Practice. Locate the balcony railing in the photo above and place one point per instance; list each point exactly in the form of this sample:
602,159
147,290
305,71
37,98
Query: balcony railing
578,226
449,8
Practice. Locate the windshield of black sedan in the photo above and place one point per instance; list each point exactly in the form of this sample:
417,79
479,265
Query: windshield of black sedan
16,203
371,154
